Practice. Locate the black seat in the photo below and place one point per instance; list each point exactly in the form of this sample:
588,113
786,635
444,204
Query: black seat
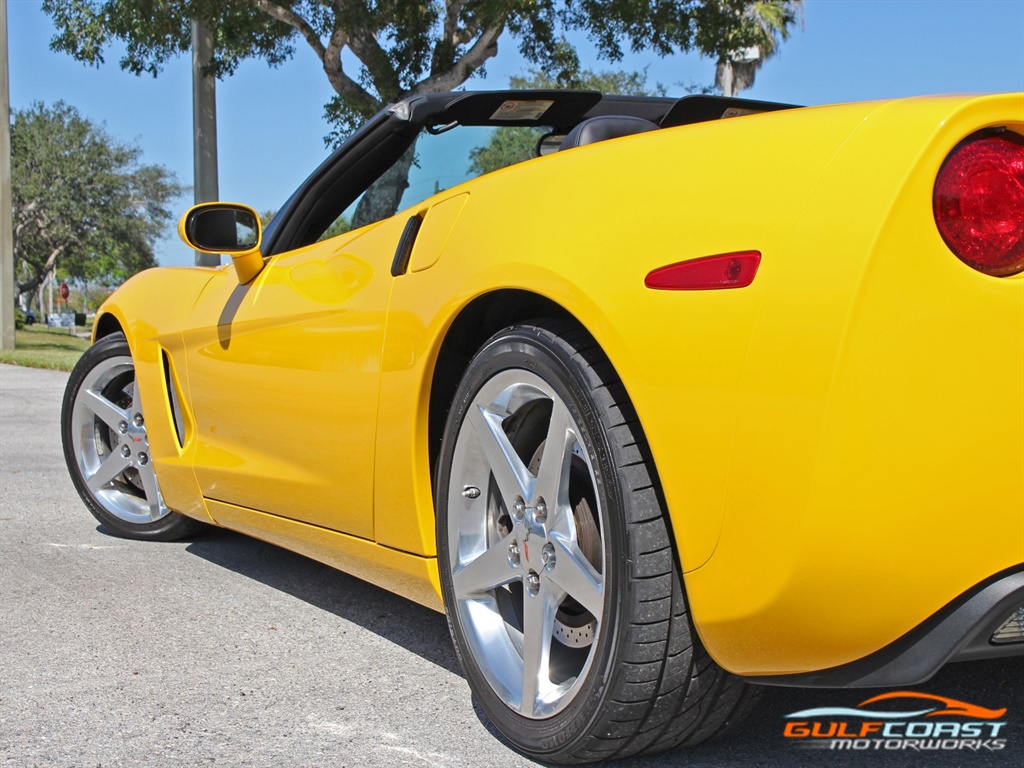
605,127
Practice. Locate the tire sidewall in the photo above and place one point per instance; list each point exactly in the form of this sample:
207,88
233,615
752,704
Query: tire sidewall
542,353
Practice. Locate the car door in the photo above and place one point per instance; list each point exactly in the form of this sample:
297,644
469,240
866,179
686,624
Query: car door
284,375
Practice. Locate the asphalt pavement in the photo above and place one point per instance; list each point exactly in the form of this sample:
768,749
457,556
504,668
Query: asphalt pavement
227,651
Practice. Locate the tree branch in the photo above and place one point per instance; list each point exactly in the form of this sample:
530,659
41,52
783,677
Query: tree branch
340,82
452,36
292,19
330,56
339,39
484,48
52,258
366,48
40,272
451,18
363,43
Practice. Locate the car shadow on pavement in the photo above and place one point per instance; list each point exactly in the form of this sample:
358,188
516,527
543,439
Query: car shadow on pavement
394,618
758,741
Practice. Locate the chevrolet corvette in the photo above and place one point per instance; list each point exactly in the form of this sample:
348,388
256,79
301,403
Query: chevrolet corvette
657,399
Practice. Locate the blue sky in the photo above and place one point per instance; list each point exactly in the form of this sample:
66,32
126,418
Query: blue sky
270,121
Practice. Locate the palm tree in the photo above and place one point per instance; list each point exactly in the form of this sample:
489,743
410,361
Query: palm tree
764,26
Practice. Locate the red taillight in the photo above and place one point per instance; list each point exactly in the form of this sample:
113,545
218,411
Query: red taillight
730,270
979,202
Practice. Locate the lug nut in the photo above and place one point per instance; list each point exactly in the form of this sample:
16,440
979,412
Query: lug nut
513,554
533,582
122,427
518,508
547,556
138,421
126,451
540,511
143,459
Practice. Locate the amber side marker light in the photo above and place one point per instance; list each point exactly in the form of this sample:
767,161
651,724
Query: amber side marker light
729,270
979,202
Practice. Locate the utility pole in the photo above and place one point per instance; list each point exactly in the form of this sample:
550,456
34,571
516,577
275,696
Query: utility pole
204,126
6,233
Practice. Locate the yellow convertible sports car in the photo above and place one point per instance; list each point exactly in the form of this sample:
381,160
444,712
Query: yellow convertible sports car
655,398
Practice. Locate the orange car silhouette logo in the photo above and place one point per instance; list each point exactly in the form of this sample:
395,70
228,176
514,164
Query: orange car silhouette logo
952,707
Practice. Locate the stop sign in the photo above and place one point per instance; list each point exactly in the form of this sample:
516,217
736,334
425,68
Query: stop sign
64,291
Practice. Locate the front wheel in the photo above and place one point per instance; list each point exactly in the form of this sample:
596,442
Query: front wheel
561,587
106,447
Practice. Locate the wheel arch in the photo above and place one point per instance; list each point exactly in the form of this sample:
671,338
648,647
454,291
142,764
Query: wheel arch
106,324
469,330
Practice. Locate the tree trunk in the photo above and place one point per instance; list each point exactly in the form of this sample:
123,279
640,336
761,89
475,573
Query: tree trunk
723,77
384,196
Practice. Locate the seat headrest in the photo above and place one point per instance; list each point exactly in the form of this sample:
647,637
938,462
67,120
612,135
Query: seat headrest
605,127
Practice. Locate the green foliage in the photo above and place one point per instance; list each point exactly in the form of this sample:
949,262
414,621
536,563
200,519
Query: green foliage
19,319
86,296
340,226
606,81
514,145
82,200
505,147
155,31
405,47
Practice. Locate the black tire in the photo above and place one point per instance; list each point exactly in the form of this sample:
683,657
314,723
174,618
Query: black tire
106,449
644,683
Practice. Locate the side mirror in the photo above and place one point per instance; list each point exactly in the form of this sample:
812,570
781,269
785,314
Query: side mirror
226,228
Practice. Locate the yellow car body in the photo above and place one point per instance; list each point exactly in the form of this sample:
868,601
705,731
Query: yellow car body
840,444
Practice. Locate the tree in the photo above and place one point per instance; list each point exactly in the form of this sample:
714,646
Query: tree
514,145
767,25
340,225
82,200
405,47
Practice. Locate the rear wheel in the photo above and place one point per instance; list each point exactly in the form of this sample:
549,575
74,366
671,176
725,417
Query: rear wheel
106,447
559,579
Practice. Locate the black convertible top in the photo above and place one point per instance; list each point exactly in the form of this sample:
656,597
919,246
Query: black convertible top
561,110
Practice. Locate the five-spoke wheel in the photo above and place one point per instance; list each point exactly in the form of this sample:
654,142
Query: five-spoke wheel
526,546
107,449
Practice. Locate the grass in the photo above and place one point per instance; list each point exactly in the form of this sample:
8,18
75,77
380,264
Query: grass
41,347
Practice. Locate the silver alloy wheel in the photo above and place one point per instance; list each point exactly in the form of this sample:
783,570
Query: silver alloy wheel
108,438
526,544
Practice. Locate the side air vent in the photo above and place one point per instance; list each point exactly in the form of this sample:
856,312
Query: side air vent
174,398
